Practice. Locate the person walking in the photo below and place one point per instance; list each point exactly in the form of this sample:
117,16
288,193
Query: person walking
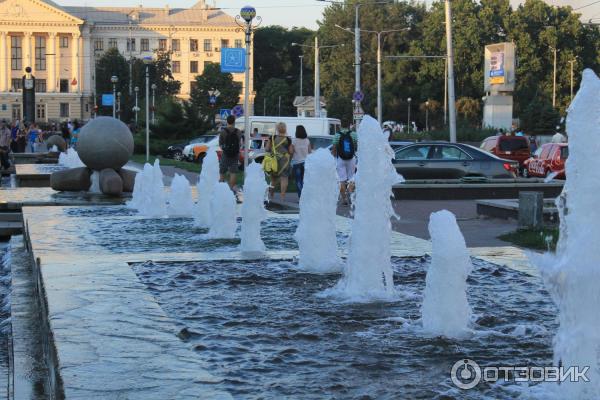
344,146
5,141
230,140
32,136
75,134
300,149
14,132
21,139
280,146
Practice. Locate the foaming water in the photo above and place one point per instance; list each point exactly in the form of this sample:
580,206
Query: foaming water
70,159
368,274
53,149
550,177
209,177
224,220
572,275
149,192
95,178
5,289
445,310
316,233
253,209
181,203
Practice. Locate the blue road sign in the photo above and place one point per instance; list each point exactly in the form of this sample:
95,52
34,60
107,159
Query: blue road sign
107,100
212,99
224,113
233,60
358,96
238,111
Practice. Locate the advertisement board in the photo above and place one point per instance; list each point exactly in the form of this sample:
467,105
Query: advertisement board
500,63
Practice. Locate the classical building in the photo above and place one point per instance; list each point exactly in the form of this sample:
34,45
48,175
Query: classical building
61,44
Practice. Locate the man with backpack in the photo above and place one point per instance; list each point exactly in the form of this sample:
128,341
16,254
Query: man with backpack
230,140
344,149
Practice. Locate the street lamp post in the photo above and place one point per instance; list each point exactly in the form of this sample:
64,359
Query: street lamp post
114,81
153,87
136,108
301,73
450,54
119,105
427,115
555,51
247,14
147,62
408,125
572,62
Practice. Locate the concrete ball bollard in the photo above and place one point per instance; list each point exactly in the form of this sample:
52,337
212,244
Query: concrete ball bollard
71,180
105,142
111,183
128,177
58,141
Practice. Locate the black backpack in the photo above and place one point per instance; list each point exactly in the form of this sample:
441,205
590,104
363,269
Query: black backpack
231,144
345,146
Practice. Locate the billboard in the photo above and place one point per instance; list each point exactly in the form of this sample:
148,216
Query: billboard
499,68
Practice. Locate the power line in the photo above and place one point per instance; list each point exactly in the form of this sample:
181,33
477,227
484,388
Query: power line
587,5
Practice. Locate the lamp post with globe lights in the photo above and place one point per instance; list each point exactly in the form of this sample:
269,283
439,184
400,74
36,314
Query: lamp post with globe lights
153,87
147,62
408,126
136,108
245,21
114,80
427,115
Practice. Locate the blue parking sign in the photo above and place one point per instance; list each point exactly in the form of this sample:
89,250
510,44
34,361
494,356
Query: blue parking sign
233,60
107,99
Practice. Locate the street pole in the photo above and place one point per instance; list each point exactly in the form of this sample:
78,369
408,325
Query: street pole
427,116
446,92
114,79
379,100
147,113
357,55
119,105
279,106
301,73
408,124
153,103
265,106
554,81
137,89
130,59
572,62
450,54
317,80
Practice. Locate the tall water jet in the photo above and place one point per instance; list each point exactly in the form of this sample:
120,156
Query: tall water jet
95,178
181,203
70,159
316,233
209,177
445,310
223,223
572,275
253,209
368,272
149,192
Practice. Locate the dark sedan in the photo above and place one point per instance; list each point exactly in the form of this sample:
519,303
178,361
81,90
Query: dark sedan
440,160
175,151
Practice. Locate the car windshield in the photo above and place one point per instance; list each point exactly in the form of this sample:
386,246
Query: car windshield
564,153
513,144
256,144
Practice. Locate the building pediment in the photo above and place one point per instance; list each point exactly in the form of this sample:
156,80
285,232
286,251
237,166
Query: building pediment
38,11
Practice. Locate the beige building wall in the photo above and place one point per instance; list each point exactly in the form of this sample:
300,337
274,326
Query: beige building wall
74,38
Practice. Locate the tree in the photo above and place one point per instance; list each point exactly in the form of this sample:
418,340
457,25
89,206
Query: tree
469,109
268,99
171,121
539,117
199,110
112,63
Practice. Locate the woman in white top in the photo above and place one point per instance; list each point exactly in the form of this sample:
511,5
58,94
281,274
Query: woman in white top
301,148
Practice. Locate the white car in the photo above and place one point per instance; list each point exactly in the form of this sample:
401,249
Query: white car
197,151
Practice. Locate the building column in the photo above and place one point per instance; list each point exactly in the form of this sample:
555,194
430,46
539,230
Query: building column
27,51
51,63
57,63
75,62
4,71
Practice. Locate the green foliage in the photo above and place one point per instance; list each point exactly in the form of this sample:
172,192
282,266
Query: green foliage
267,100
469,109
170,120
539,117
538,239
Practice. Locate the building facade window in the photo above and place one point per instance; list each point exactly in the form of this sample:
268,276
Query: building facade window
224,43
193,85
64,42
176,67
64,110
16,84
131,44
64,86
162,44
99,44
16,112
145,44
40,85
238,43
16,53
40,112
194,67
193,44
40,53
113,43
175,46
207,45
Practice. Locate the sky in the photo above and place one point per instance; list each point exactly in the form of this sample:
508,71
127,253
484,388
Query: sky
294,12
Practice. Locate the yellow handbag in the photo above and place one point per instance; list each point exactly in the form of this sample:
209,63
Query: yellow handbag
269,163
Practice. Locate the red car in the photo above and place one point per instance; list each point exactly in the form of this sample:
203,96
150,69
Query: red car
548,159
514,148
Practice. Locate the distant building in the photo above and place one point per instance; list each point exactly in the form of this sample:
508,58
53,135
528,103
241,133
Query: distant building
61,45
305,106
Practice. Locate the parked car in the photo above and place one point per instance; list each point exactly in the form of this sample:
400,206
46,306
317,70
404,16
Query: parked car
396,145
177,151
197,151
320,142
443,160
515,148
548,159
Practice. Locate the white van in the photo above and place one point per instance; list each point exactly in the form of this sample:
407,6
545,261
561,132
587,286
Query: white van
314,126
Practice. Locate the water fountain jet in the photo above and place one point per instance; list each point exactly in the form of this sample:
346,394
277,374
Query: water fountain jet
253,209
224,220
209,177
181,203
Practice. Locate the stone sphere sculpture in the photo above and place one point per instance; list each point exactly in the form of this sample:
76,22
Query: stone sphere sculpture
58,141
105,142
